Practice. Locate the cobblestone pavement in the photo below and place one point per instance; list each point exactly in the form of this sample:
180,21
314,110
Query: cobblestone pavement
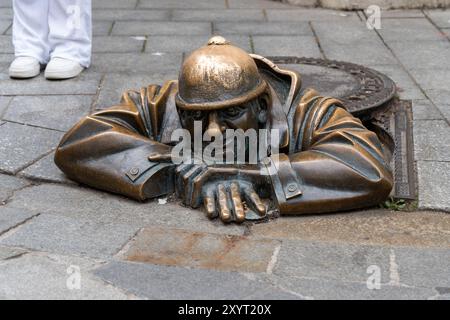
52,230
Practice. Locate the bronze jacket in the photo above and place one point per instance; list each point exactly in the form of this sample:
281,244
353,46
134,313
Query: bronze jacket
328,160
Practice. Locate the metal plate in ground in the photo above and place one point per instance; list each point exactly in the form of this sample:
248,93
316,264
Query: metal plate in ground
361,89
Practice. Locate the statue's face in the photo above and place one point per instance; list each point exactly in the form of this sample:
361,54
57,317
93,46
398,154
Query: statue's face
251,115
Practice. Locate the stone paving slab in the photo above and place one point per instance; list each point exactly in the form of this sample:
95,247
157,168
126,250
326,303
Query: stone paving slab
59,234
346,33
20,145
401,13
302,46
185,4
189,43
409,29
136,62
330,261
160,282
114,85
86,83
103,208
129,15
425,110
6,13
116,4
406,88
434,184
367,227
53,112
440,17
143,28
45,170
101,28
5,4
175,247
426,133
266,4
218,15
4,25
9,184
6,45
10,253
45,276
12,217
4,102
263,28
117,44
305,14
324,289
431,79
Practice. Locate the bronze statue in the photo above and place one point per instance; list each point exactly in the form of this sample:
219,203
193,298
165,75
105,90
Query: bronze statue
326,160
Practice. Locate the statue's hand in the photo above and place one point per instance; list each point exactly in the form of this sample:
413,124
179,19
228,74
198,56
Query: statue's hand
222,189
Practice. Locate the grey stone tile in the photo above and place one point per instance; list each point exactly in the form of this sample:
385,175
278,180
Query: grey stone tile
4,102
4,25
366,53
440,17
101,28
114,85
258,4
434,79
45,170
87,83
324,289
5,4
20,145
117,44
238,15
9,253
418,54
263,28
406,88
302,46
45,276
177,283
11,217
6,14
182,248
53,112
189,43
306,14
374,227
434,184
273,294
59,234
117,4
330,261
441,98
6,45
136,62
185,4
135,28
129,15
423,268
401,13
393,30
8,184
432,140
425,110
347,33
103,208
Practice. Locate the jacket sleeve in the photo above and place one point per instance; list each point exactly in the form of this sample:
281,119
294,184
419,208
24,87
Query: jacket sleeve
336,163
109,150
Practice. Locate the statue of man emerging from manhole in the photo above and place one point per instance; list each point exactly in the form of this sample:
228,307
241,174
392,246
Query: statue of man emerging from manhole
322,160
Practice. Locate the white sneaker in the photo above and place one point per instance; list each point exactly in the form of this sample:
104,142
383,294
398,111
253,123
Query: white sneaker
24,67
60,68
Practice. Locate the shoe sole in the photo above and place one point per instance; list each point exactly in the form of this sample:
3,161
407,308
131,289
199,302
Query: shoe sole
61,75
24,74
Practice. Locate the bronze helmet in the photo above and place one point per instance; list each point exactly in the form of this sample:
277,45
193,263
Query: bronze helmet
217,76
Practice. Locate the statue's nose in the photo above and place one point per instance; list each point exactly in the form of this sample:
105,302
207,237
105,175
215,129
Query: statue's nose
214,128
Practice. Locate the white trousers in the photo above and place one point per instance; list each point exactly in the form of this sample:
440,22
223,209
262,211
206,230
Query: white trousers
46,29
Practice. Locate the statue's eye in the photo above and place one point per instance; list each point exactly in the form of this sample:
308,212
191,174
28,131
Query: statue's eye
231,112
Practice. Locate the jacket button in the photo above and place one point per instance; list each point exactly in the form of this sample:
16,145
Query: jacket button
292,187
134,171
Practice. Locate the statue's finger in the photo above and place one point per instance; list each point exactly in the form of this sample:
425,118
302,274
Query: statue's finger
238,208
179,186
210,204
255,200
198,182
224,210
160,157
187,182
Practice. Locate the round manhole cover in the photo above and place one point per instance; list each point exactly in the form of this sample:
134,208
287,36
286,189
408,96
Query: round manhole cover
360,88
